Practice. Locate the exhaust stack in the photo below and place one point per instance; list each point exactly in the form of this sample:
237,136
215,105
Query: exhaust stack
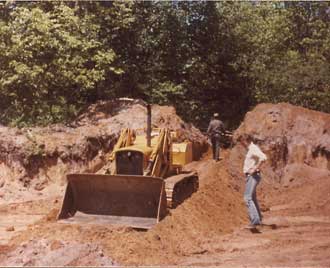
148,125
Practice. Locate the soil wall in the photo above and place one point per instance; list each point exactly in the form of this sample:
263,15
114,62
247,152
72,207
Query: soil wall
296,141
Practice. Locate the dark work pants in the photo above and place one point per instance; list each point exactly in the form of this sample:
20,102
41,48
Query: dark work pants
216,146
250,198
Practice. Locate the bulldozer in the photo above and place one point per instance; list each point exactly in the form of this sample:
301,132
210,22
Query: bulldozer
142,180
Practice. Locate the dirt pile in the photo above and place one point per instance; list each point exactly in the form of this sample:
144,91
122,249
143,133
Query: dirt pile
34,161
290,135
129,113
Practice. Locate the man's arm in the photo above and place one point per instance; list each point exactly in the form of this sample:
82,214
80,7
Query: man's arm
222,126
257,167
209,129
260,164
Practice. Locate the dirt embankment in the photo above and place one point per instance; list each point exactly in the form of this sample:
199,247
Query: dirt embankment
294,138
297,143
35,161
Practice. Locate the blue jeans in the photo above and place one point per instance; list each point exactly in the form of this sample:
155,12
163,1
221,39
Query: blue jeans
216,146
250,198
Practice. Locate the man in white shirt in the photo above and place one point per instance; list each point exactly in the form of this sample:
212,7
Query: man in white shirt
253,161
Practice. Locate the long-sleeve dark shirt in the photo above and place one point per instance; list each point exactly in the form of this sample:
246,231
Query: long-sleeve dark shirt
215,127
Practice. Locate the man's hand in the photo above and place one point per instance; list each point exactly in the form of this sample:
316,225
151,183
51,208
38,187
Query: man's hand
256,168
251,171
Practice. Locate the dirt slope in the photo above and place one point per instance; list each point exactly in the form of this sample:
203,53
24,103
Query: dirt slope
294,138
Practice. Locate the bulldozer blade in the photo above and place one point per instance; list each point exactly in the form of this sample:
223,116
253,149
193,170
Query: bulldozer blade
129,200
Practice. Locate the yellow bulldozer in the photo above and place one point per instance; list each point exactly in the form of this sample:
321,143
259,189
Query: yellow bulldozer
143,179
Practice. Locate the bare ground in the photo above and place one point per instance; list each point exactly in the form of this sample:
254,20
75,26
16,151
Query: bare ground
206,230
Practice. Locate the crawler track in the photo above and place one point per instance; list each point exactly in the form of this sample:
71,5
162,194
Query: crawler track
180,187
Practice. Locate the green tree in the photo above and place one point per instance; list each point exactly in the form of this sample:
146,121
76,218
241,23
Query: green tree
51,62
202,57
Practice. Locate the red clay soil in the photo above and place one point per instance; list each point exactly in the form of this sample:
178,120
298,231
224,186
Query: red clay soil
207,229
295,140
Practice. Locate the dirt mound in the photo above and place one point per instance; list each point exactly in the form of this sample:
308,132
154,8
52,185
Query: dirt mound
289,135
119,114
131,113
35,161
297,143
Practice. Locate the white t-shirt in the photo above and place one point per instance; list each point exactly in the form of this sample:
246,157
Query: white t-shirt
253,157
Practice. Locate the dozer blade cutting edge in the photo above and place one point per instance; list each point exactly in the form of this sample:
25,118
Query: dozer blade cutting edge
129,200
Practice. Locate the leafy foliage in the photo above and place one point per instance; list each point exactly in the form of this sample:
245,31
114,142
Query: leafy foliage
50,63
202,57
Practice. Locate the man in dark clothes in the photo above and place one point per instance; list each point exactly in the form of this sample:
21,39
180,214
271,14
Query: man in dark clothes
216,127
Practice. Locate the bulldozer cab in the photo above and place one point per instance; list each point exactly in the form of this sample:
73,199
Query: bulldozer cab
131,160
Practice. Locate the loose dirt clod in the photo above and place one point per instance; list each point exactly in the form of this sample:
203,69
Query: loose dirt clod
10,229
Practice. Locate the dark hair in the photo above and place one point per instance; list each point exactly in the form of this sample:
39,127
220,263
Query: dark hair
245,138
